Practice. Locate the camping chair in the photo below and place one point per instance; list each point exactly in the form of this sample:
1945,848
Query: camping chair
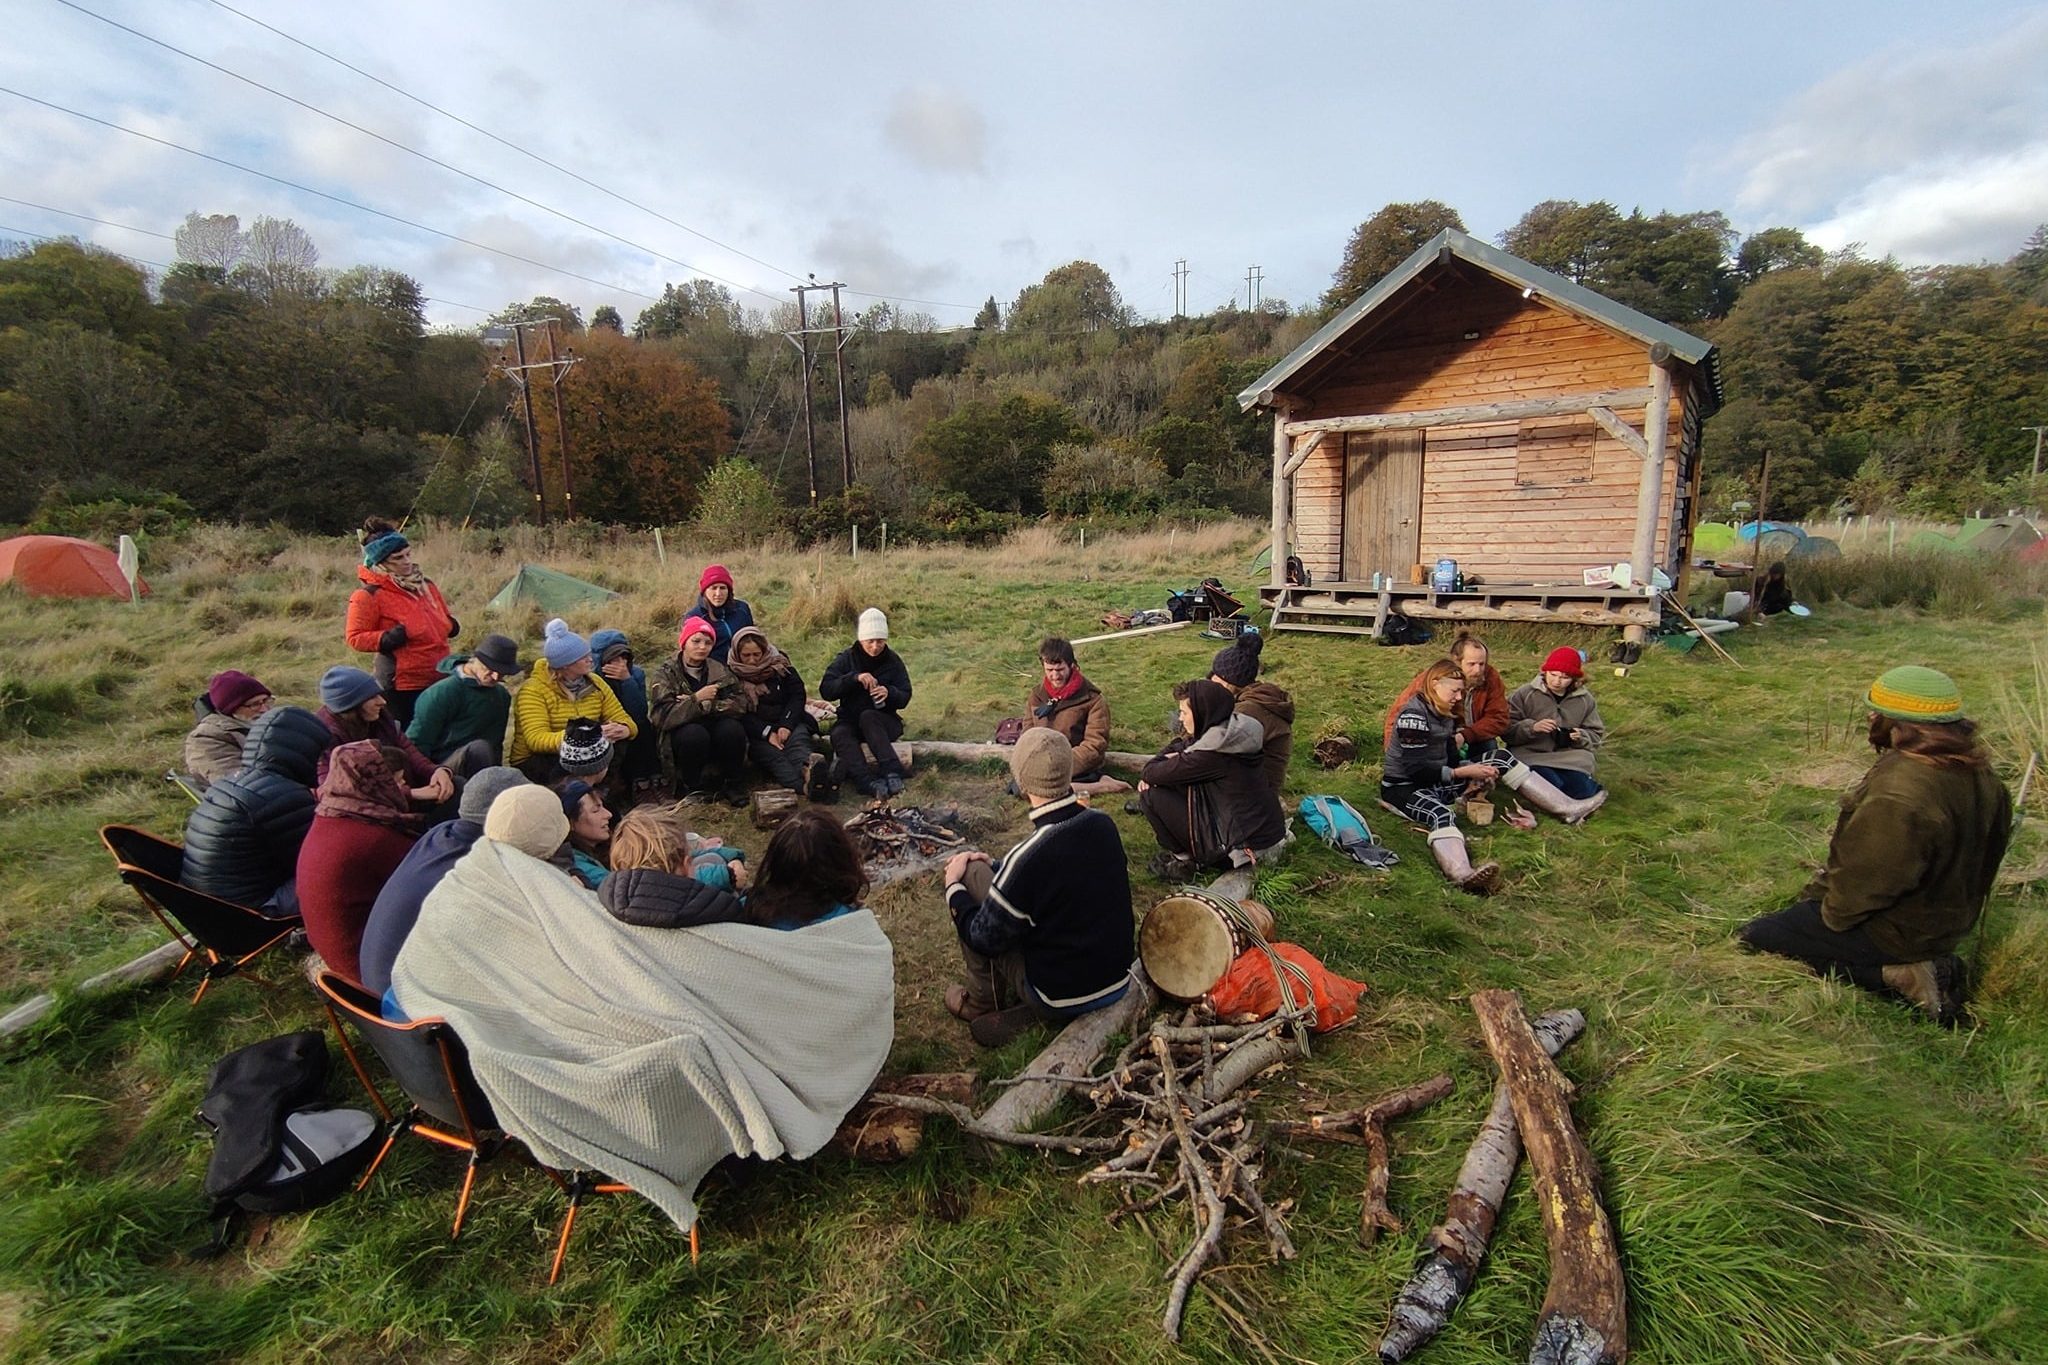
193,787
230,935
447,1106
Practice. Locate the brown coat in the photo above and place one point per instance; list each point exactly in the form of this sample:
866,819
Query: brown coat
1083,718
1273,709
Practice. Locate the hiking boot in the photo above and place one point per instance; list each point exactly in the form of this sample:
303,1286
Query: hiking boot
998,1027
1134,807
818,783
965,1007
892,785
1171,867
1526,783
1935,986
735,794
1448,846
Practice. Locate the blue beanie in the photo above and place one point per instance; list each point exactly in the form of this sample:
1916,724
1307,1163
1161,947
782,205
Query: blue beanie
563,646
380,548
344,689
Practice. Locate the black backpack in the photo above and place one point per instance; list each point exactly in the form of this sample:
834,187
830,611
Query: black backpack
276,1149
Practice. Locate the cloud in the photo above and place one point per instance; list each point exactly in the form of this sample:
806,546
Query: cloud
1931,154
859,252
938,129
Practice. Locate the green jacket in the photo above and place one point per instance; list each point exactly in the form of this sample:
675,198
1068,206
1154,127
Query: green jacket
1915,852
456,710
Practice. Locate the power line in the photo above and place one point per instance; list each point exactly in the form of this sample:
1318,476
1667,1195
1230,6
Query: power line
564,170
67,213
414,151
332,198
45,237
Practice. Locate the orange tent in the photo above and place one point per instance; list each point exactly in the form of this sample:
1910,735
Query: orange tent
62,566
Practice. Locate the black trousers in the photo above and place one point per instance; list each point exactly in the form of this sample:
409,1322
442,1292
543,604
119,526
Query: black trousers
784,766
714,741
879,730
1166,810
1799,933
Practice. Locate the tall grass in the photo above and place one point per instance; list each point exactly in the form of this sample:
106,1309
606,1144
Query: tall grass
1995,587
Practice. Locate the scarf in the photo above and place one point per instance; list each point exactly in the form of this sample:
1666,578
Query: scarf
361,786
758,678
579,687
1212,705
414,582
1075,682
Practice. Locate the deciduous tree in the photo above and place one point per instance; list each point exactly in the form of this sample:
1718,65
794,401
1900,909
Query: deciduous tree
1382,242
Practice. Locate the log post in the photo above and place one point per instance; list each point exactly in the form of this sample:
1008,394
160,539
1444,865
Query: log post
1584,1320
1283,497
1642,558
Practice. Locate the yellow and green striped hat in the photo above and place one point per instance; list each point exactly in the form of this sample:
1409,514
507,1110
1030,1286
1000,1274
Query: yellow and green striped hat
1911,692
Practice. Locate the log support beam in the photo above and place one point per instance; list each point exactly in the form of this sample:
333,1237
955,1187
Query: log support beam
1478,414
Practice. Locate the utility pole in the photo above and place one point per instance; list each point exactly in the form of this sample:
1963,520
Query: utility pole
515,333
803,345
2037,447
839,358
1253,278
1180,287
559,370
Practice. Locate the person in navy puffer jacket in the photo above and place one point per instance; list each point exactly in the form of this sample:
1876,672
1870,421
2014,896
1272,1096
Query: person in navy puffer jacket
242,841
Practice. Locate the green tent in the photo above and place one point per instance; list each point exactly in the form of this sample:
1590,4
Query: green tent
547,589
1714,537
2000,535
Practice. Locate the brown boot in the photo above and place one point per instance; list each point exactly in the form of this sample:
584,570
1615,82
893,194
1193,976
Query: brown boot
1448,845
1539,792
1935,986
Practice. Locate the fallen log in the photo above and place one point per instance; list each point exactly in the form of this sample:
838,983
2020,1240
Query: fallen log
1455,1247
963,752
1585,1310
158,962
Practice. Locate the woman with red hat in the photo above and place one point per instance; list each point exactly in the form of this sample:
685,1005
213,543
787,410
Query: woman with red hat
1554,726
718,608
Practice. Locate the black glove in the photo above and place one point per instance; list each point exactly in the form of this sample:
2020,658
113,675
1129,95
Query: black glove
390,640
454,627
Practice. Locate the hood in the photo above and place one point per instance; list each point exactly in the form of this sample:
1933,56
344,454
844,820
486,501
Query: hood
1238,735
1269,698
202,707
448,665
288,741
602,640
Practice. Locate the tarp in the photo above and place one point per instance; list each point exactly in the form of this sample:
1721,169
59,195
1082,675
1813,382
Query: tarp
62,566
1748,529
2037,553
547,589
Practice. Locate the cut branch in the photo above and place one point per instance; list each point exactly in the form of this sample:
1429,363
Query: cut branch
1585,1310
1456,1246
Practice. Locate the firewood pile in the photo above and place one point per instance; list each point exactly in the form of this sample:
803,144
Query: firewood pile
894,834
1172,1127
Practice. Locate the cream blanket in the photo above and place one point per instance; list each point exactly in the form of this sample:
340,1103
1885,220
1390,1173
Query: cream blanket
647,1054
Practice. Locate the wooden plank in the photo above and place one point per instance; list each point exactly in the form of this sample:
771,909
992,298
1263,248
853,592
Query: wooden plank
1486,412
1620,430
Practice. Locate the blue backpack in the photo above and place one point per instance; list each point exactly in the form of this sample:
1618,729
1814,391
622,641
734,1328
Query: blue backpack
1338,824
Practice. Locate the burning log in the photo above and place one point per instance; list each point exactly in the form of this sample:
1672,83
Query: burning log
1585,1310
1456,1246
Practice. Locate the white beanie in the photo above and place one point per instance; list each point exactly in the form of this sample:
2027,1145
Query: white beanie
873,625
528,818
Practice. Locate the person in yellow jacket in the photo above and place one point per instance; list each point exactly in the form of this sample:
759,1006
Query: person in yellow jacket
562,686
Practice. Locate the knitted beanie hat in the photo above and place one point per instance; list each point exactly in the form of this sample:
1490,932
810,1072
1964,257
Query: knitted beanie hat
1042,761
1565,659
571,795
483,788
529,818
561,646
377,549
1238,665
695,625
1913,693
343,688
231,690
715,574
585,750
873,625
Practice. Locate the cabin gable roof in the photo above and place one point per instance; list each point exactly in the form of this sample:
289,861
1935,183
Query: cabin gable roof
1553,289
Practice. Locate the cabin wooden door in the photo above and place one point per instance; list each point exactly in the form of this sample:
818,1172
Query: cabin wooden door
1382,504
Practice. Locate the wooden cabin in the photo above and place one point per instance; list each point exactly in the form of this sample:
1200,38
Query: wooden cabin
1474,407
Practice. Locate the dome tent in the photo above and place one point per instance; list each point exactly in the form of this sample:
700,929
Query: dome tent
63,566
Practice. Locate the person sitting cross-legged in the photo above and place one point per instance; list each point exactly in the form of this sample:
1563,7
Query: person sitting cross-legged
1065,701
1555,728
1046,933
1914,855
1206,796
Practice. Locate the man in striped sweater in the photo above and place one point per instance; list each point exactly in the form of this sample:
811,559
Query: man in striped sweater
1045,933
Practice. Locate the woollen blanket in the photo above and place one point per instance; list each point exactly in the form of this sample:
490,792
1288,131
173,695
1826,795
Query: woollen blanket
647,1054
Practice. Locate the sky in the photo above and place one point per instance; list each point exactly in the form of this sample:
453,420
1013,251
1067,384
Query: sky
939,154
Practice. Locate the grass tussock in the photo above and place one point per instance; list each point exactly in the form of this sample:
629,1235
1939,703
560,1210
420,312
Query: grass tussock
1797,1171
1991,587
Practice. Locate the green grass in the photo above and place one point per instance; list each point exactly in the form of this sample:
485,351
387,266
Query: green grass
1798,1172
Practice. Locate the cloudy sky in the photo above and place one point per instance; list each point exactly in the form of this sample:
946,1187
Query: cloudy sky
941,153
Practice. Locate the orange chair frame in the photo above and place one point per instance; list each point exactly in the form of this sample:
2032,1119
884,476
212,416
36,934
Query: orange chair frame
139,878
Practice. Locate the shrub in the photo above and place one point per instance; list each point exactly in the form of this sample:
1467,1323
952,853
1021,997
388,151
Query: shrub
1948,583
738,504
106,514
955,518
836,515
1102,477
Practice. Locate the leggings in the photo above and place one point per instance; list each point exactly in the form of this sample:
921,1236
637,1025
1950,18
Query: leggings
715,740
1798,932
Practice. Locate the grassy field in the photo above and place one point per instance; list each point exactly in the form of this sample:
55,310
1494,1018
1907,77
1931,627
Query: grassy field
1798,1172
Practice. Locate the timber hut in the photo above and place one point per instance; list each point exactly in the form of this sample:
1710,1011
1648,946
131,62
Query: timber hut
1473,407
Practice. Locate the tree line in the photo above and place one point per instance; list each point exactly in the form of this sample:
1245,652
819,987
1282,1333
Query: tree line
247,382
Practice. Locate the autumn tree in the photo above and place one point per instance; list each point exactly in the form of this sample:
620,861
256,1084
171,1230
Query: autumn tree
1778,248
212,242
278,257
1076,297
1382,242
566,315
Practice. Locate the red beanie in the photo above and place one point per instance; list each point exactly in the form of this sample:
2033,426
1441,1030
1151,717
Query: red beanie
694,625
1565,659
715,574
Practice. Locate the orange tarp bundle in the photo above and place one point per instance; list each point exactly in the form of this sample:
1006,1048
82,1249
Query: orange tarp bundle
62,566
1252,987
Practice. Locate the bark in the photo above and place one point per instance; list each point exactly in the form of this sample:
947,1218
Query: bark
1456,1246
1585,1310
1367,1127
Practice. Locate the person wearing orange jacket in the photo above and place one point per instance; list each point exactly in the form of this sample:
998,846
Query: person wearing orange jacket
1484,717
399,616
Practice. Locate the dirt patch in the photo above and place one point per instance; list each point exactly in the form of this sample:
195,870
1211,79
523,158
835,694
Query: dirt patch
1831,774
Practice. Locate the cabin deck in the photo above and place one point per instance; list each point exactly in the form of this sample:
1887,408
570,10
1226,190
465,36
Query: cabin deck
1341,608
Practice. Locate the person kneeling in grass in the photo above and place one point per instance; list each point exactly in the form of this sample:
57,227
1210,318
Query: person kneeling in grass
1045,934
1914,855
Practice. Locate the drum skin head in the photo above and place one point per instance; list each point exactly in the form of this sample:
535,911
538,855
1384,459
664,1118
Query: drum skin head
1186,944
